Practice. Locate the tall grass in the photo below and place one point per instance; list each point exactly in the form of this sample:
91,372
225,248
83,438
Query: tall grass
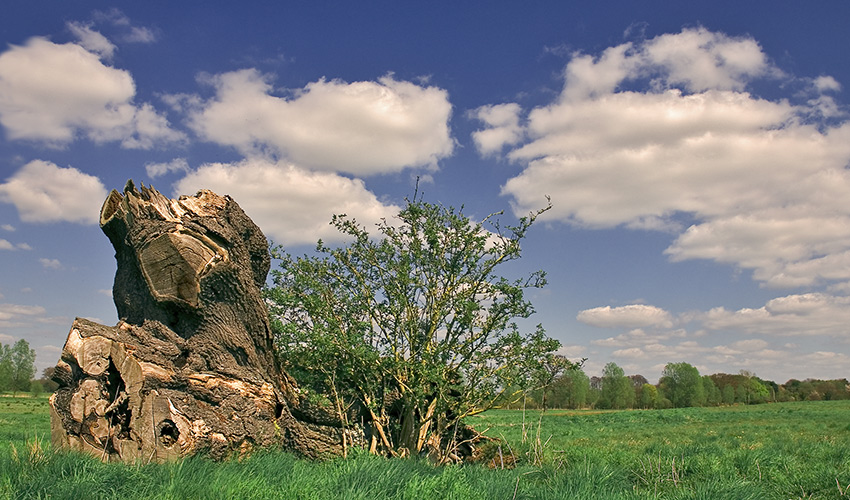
789,450
782,451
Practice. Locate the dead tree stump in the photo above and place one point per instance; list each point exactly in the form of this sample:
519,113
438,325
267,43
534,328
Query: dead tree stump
190,366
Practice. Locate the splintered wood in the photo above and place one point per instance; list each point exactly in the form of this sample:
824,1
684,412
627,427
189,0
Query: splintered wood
190,367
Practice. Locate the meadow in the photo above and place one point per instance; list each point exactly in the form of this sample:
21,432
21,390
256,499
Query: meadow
772,451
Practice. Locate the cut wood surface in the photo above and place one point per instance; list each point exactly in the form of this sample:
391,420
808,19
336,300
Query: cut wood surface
190,366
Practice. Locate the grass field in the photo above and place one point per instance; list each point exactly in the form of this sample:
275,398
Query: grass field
777,451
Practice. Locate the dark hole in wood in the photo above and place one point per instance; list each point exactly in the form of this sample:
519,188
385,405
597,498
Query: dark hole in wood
168,433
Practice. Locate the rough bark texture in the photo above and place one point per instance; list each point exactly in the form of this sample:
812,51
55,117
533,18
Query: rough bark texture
190,367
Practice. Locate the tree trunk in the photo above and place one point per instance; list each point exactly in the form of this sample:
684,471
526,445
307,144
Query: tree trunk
190,366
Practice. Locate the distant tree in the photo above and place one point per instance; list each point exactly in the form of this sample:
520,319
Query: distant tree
648,396
570,390
7,368
833,390
46,380
782,395
721,380
814,389
712,393
638,380
728,395
637,384
595,391
36,389
23,366
551,368
596,383
792,390
772,389
682,385
754,390
741,394
617,391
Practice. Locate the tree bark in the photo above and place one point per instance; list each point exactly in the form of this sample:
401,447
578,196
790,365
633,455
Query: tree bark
190,366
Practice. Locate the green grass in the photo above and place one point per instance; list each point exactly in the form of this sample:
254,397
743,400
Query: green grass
780,451
789,450
23,418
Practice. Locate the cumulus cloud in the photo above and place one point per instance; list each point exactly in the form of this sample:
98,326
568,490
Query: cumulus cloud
361,128
7,245
723,340
92,40
503,128
159,169
45,192
639,337
631,316
139,34
804,314
826,83
127,32
54,93
50,263
290,204
648,134
10,313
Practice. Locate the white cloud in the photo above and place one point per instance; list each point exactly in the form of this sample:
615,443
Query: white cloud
503,128
749,345
113,16
639,337
631,316
798,315
129,34
140,34
764,181
92,40
785,246
54,92
7,227
7,245
632,352
361,128
826,83
159,169
10,312
686,350
290,204
50,263
702,60
45,192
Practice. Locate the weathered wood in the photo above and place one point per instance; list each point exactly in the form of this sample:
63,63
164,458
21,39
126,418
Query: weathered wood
189,367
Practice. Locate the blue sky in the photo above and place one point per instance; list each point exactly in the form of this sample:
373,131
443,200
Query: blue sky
696,154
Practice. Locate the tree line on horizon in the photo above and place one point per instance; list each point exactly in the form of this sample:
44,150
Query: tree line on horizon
680,386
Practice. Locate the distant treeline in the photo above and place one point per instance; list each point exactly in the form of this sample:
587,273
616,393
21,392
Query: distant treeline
680,385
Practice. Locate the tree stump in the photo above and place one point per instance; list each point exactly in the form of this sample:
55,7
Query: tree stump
190,366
